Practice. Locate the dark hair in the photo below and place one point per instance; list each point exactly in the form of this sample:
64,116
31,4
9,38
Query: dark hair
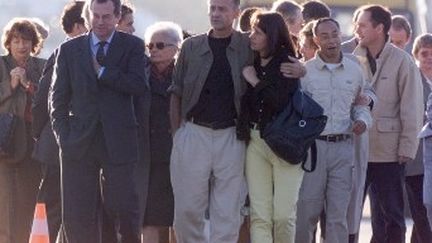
126,8
306,31
21,28
379,15
41,27
235,2
422,41
356,14
315,9
86,10
399,22
187,34
72,15
273,25
245,18
287,9
318,22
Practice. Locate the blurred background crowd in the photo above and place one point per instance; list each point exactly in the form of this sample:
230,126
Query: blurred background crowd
191,14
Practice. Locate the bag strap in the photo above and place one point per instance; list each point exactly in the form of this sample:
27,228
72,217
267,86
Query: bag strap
301,92
313,159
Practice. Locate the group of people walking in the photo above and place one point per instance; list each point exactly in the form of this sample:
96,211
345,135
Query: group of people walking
131,140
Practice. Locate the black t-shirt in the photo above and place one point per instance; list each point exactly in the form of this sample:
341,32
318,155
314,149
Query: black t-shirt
372,61
216,102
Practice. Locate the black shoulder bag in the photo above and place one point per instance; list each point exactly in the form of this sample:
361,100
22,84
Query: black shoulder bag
8,122
293,131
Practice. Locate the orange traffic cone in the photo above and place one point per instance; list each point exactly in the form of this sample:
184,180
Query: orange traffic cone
39,232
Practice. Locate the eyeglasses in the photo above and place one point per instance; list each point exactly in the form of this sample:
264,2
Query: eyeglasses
158,45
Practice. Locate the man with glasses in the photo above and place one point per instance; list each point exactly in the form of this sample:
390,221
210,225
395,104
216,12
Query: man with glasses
95,78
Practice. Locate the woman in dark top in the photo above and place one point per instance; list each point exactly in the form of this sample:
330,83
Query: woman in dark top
163,40
272,182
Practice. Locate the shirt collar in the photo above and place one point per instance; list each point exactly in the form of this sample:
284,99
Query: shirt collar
362,51
428,81
321,64
369,55
95,40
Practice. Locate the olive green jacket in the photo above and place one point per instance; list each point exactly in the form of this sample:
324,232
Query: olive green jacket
194,63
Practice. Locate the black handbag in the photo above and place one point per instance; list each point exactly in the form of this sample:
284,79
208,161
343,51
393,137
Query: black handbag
8,122
293,131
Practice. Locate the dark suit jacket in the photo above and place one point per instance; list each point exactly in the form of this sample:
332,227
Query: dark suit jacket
80,102
46,148
142,110
40,99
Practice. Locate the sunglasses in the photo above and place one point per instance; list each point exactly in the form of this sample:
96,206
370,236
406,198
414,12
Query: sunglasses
158,45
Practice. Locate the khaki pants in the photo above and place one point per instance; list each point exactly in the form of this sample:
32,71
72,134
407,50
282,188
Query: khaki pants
355,208
274,186
198,154
327,188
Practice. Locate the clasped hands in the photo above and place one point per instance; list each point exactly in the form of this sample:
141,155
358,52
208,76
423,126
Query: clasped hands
18,76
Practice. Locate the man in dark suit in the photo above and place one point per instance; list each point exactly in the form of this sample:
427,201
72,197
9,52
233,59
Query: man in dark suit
95,78
46,149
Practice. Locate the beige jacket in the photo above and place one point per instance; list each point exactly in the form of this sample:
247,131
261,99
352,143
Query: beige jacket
398,114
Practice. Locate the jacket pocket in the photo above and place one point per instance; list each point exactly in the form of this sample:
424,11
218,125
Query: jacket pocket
385,143
388,125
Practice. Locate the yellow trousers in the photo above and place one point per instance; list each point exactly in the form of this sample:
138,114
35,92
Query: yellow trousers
274,186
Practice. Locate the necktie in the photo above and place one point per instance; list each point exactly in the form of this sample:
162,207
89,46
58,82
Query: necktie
100,54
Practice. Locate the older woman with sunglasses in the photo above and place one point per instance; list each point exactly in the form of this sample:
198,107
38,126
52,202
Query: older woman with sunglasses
163,40
19,174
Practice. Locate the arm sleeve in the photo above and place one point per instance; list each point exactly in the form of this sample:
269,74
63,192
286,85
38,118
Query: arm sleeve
40,99
411,108
59,98
132,81
179,71
362,112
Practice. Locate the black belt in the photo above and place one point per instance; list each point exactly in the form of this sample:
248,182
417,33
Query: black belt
214,125
334,138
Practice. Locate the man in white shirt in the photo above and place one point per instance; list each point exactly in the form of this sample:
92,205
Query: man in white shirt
334,81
